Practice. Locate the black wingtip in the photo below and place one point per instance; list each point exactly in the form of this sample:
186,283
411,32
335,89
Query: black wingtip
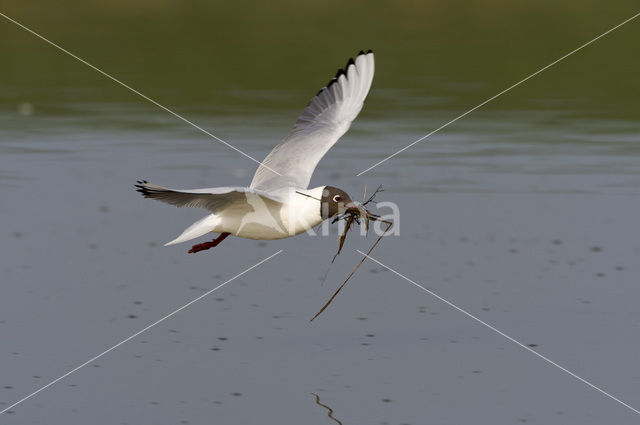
141,188
335,79
342,71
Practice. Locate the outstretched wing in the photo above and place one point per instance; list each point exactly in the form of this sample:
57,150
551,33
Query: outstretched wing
327,117
212,199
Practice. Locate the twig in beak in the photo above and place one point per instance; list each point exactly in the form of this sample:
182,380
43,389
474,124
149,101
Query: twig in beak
343,236
372,197
367,218
372,217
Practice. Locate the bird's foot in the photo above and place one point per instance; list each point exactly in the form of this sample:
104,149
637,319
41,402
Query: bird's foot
206,245
201,247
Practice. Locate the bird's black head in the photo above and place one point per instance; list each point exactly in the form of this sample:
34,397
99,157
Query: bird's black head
334,201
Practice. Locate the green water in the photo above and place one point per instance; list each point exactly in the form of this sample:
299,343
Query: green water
195,55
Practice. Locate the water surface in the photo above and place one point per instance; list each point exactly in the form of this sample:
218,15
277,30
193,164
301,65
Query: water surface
523,213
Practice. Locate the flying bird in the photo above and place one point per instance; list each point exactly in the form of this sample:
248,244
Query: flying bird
278,203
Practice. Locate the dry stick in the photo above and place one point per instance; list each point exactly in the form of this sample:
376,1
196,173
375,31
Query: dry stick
343,236
341,240
389,224
372,197
362,213
364,199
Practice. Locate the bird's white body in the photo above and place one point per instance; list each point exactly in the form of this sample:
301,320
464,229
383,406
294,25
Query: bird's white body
278,204
263,218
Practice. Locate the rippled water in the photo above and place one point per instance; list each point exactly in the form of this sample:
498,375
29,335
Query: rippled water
524,213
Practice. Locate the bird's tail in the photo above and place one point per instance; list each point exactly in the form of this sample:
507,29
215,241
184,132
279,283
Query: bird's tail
199,228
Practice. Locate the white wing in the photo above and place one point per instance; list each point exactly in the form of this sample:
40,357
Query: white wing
212,199
327,117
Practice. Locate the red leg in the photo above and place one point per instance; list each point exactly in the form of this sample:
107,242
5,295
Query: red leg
207,245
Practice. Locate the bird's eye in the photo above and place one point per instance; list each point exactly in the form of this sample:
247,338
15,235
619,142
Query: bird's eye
337,198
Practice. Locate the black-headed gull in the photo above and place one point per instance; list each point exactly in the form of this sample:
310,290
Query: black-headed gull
278,203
